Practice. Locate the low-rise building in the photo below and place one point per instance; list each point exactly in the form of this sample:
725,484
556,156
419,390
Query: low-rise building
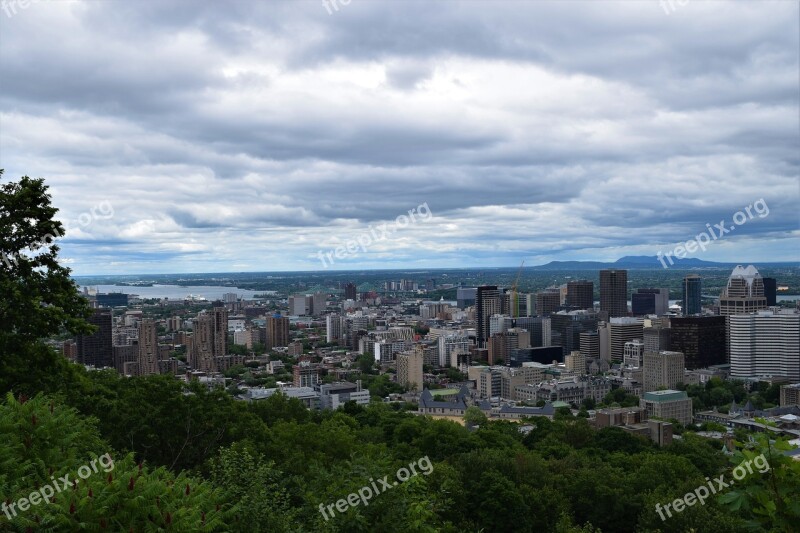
790,394
334,395
668,404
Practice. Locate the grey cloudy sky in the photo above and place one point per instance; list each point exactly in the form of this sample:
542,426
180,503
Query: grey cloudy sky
249,135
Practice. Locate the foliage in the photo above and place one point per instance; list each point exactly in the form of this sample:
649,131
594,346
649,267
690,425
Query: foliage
38,299
45,441
767,499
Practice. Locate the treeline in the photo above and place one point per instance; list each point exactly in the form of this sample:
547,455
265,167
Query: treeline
203,461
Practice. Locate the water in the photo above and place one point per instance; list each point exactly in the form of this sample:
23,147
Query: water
209,292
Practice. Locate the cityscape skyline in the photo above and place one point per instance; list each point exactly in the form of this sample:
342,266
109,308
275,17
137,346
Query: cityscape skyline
268,259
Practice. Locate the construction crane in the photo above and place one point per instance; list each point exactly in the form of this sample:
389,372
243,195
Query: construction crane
515,294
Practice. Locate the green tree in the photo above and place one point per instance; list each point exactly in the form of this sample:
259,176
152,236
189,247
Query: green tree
38,299
475,417
767,497
262,502
44,441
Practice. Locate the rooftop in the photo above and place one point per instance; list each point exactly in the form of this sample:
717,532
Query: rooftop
665,396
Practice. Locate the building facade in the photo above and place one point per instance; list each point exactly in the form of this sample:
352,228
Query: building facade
766,343
614,292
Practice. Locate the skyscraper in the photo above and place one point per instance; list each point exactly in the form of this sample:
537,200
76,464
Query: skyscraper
277,331
770,291
702,340
620,331
662,369
487,303
590,344
580,294
350,292
220,315
568,326
765,344
692,295
744,293
201,354
614,292
657,337
335,327
319,302
538,327
409,370
547,302
96,349
465,297
650,302
147,361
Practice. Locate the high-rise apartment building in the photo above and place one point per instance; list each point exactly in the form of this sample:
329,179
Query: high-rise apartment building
335,327
744,292
220,346
580,294
96,349
147,360
692,289
487,303
766,343
409,370
614,292
200,355
277,331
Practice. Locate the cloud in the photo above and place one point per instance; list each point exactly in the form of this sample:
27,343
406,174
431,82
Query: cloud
250,135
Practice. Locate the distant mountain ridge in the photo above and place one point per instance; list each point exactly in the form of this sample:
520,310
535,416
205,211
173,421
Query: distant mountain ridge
638,261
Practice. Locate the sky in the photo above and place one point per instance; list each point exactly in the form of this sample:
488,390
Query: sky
272,136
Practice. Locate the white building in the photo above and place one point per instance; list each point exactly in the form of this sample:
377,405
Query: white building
336,326
766,343
451,345
633,353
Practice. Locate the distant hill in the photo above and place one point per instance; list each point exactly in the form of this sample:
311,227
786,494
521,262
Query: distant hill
632,262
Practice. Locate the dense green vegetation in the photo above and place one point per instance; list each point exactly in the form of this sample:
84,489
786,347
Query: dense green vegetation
190,459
